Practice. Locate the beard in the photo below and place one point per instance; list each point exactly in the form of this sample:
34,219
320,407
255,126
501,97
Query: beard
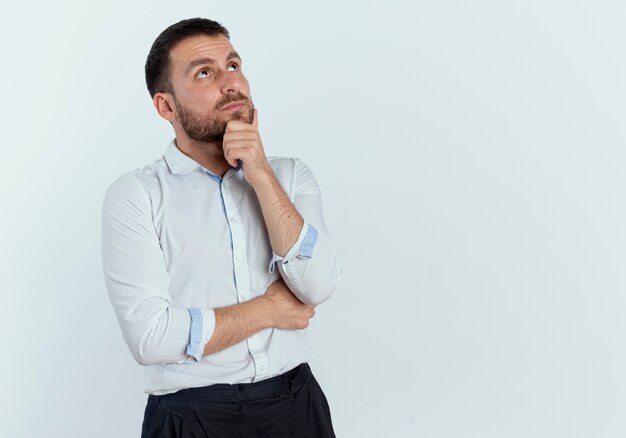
210,129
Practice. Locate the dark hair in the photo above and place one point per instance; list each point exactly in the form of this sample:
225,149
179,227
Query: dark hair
158,62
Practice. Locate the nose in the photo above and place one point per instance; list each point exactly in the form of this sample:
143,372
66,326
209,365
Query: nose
231,83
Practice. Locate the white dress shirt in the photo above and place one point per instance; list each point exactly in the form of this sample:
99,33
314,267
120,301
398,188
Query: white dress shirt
179,241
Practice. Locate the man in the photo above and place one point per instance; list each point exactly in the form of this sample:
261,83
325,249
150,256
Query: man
215,257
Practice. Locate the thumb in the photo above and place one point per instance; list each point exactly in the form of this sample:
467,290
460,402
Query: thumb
255,118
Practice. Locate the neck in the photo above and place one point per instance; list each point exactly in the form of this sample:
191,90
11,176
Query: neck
209,155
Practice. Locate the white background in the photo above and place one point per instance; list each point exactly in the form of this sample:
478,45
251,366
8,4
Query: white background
470,156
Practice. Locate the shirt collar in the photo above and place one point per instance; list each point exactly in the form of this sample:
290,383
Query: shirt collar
178,162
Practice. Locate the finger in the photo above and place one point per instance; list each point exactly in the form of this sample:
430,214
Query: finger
247,147
236,125
255,118
240,135
233,159
238,152
231,155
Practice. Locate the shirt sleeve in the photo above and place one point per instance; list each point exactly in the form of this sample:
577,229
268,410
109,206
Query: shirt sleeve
137,283
311,267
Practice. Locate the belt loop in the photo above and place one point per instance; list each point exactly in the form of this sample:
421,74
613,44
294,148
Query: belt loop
293,380
291,389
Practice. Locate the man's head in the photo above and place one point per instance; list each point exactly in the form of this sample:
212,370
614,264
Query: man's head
192,73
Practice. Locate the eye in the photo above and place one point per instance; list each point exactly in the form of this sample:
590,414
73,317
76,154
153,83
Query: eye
203,71
234,64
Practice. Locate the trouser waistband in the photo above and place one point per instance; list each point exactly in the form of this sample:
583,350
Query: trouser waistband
287,382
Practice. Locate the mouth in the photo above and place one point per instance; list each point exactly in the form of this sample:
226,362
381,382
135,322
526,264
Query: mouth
234,106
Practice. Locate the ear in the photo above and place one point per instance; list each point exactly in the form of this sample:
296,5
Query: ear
163,103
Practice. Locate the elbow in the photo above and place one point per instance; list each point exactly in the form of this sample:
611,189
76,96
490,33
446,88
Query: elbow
322,288
143,354
139,338
316,284
154,339
142,360
318,297
146,350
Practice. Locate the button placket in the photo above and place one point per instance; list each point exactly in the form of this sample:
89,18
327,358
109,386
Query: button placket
260,364
240,264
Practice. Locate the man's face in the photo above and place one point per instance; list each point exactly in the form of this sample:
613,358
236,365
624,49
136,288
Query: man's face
206,76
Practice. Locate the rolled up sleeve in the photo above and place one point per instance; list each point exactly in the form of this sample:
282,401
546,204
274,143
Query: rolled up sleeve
137,283
311,267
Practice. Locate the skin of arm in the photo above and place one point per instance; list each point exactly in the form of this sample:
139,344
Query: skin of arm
284,223
278,307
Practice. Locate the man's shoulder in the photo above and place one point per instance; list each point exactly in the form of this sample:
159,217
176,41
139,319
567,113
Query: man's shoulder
139,179
146,173
285,168
286,164
293,173
282,161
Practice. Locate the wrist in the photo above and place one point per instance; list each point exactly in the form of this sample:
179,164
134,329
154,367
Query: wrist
265,310
264,182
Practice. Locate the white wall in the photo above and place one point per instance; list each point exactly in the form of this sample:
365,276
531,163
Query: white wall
471,159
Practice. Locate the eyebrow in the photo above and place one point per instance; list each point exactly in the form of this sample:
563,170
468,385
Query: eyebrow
203,61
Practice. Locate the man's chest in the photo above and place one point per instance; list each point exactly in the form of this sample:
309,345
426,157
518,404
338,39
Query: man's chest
216,241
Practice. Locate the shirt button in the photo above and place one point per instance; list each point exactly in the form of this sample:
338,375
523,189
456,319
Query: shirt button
237,257
245,296
262,368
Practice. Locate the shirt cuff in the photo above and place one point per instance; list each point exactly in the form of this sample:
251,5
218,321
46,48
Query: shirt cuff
303,248
200,331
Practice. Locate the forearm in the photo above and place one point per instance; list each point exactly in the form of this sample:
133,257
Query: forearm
309,261
235,323
282,220
278,307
